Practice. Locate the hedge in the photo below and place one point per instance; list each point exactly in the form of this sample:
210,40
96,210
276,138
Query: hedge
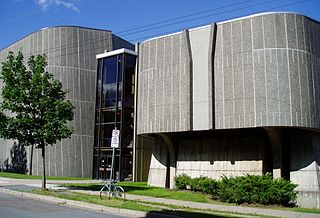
242,189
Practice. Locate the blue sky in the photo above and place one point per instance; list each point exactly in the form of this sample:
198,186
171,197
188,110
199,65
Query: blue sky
19,18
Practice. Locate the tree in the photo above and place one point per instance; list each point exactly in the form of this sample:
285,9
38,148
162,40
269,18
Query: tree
34,110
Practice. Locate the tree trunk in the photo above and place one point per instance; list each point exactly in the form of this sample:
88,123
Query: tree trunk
31,158
43,166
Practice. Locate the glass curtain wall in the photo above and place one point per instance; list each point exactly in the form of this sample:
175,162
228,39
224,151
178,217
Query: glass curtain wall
114,109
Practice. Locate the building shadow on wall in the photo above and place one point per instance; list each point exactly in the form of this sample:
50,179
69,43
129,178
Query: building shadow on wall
246,150
17,163
304,148
232,148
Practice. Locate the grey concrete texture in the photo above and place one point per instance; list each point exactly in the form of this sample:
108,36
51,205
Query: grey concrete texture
308,199
164,78
158,164
305,160
221,156
265,73
143,151
71,57
212,155
262,72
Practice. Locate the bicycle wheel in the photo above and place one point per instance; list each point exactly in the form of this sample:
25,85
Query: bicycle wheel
119,193
105,192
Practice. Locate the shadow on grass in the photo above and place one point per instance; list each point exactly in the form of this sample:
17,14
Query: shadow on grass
141,188
128,187
176,213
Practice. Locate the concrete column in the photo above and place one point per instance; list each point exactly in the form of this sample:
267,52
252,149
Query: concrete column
275,137
143,152
173,160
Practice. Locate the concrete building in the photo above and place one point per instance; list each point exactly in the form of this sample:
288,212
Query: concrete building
231,98
71,56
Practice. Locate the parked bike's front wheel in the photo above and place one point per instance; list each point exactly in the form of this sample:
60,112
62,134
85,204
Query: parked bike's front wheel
119,193
105,192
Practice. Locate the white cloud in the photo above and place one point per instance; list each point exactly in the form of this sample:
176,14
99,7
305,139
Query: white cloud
44,4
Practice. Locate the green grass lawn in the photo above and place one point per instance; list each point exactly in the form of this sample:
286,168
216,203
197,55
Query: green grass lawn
25,176
164,209
141,188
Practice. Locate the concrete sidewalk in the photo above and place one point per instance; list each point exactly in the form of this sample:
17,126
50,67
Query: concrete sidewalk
201,206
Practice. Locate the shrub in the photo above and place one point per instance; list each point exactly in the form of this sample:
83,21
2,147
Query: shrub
257,189
182,181
205,185
243,189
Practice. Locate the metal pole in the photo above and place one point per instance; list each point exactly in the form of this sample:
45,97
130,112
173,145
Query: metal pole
112,162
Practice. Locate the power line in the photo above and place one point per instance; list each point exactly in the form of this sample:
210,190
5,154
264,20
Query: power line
197,18
181,17
265,10
94,38
57,48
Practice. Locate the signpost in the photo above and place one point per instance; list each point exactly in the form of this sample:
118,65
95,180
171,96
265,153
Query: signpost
115,138
114,145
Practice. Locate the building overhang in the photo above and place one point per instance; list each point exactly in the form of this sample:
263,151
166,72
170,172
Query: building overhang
116,52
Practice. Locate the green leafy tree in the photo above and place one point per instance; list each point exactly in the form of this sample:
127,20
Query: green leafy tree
34,110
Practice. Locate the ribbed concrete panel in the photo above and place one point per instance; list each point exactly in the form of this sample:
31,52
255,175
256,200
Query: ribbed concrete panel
238,80
164,92
266,73
71,56
228,76
272,78
218,82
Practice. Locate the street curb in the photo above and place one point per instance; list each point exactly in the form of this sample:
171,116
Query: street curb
79,204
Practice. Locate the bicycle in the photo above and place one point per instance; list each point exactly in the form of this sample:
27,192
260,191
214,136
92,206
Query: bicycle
112,190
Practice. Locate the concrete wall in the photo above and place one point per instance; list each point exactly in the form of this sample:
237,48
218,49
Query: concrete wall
209,153
201,81
252,72
221,156
143,153
305,160
266,72
118,43
305,166
158,169
71,56
164,91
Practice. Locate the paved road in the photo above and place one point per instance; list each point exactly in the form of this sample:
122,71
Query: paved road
13,206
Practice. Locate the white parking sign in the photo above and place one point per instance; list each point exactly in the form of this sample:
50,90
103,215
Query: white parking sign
115,133
115,138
